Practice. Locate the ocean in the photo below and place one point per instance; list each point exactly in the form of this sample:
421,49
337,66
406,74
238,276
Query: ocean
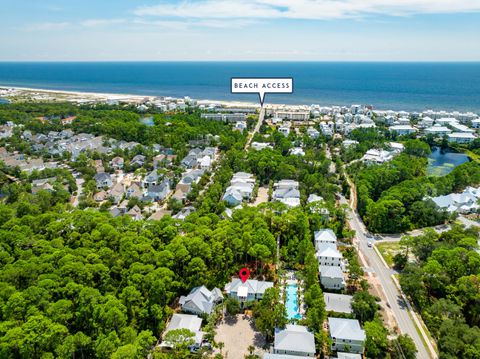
396,86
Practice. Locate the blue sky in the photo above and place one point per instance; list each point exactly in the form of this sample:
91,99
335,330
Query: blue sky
303,30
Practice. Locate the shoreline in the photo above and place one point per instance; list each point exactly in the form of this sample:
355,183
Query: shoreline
86,96
101,96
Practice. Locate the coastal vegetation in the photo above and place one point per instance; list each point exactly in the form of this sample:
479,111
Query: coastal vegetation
76,282
392,197
441,276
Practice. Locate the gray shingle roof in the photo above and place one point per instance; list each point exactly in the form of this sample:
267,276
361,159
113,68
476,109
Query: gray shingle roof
201,299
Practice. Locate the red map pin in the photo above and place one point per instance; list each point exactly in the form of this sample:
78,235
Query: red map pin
244,274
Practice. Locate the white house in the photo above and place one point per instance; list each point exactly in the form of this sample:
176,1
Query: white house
184,321
294,340
329,255
446,120
331,277
465,202
251,290
241,188
346,335
461,137
458,127
325,236
293,115
403,129
205,162
396,147
426,122
200,300
476,123
438,130
297,151
374,156
258,146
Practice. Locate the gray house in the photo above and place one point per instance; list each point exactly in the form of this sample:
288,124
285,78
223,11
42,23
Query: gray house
294,340
346,335
151,179
137,161
201,300
103,180
159,192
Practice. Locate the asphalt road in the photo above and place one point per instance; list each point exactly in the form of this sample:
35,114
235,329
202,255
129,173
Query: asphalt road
383,273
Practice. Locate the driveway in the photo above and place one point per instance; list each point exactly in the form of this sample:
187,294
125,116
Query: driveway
237,334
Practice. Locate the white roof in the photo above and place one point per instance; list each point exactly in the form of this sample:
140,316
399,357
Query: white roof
314,198
325,235
397,146
348,329
348,356
462,135
295,338
331,272
184,321
329,252
339,303
402,127
253,286
242,291
282,356
290,201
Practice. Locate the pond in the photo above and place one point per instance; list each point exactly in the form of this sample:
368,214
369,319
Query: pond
442,162
3,101
147,121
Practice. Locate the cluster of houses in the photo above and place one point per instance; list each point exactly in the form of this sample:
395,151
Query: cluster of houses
331,262
155,186
458,127
240,189
199,158
196,163
23,162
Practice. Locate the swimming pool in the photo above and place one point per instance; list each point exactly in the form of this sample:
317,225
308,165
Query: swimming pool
293,311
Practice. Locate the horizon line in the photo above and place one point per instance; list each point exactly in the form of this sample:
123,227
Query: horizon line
244,61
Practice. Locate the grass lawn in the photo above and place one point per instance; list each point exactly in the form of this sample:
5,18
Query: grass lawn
388,251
